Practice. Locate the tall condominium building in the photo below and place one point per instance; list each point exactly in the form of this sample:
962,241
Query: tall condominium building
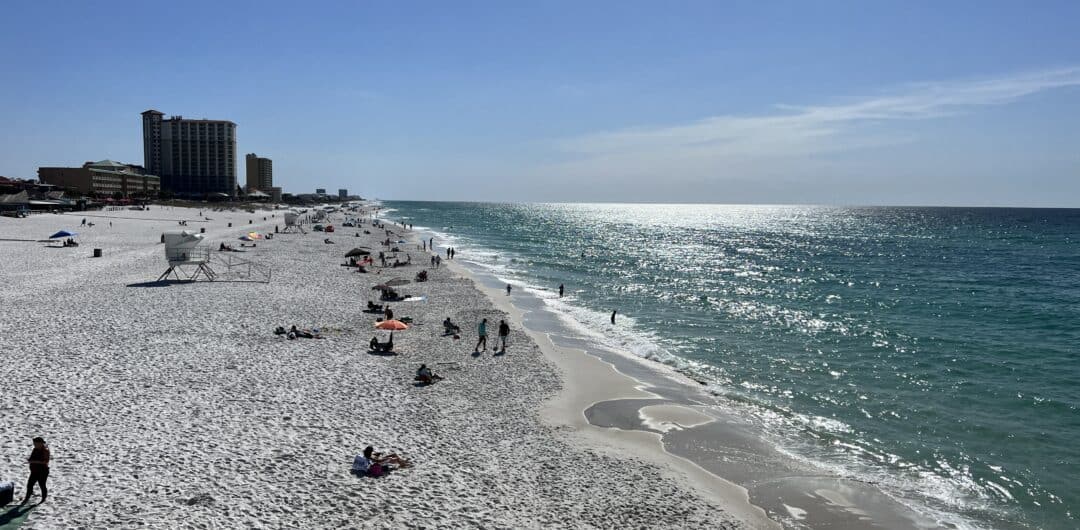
192,157
260,173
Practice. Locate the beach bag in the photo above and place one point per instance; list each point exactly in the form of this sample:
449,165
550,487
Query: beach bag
376,470
7,493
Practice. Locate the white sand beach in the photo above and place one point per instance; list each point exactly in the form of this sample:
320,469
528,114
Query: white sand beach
174,405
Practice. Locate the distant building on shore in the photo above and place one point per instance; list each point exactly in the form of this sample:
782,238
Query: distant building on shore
105,178
320,191
192,157
343,193
260,173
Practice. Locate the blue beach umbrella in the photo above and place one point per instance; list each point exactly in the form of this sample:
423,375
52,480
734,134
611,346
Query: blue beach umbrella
63,233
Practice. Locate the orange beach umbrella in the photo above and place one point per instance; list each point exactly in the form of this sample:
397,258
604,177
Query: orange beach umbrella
391,325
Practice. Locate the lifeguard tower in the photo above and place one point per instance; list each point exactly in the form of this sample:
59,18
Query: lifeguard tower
185,250
292,222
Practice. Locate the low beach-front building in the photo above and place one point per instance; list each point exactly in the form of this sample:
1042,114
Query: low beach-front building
104,178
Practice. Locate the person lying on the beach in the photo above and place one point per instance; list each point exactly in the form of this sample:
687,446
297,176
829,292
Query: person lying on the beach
301,333
372,464
372,306
450,328
425,376
280,331
327,241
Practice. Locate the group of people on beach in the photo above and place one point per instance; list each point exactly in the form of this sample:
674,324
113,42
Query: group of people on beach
481,331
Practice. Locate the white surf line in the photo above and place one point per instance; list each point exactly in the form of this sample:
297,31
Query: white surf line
589,380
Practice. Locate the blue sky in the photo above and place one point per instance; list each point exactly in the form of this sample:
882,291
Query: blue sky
944,103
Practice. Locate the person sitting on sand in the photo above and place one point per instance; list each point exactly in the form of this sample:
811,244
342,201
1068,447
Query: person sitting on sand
372,464
373,306
425,376
327,241
387,346
280,331
450,328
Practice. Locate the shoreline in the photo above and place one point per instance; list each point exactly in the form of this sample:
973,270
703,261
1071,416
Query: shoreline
641,405
588,380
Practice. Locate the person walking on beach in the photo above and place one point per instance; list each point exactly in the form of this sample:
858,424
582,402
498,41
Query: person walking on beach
507,289
613,317
481,330
560,290
39,470
504,332
453,252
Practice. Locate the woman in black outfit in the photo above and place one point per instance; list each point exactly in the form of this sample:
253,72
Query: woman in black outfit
39,469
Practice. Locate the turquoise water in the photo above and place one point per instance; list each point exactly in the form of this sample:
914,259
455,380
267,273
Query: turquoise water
930,350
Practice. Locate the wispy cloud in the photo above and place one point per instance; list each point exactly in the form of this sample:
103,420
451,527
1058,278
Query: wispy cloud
709,144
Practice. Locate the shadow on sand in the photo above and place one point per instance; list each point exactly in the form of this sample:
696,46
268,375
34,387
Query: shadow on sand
15,516
162,283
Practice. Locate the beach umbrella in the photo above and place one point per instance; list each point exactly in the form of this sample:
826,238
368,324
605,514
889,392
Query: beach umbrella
63,233
254,235
391,325
356,252
381,287
397,281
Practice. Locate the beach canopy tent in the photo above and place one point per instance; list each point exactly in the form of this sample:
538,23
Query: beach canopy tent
356,252
63,233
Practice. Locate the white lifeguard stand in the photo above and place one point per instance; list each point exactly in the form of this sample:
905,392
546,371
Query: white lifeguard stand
187,249
292,222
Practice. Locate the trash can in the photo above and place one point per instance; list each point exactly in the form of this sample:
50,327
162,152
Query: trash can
97,252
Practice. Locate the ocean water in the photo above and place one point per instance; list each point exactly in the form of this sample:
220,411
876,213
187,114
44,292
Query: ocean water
933,351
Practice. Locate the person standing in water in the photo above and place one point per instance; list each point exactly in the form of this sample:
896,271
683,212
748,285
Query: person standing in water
560,290
39,470
481,330
613,316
